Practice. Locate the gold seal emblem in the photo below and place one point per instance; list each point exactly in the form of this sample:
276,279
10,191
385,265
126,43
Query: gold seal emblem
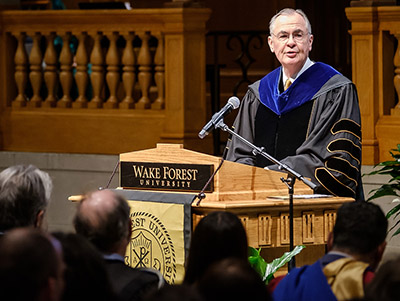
151,246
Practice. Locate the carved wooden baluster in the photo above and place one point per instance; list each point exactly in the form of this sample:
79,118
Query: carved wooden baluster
159,76
21,71
396,62
144,76
50,73
112,77
66,72
97,75
128,74
81,76
35,76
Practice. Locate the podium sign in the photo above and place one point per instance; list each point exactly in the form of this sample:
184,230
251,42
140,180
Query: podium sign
166,176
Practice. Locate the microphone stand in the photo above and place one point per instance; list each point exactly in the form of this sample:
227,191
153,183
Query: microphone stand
289,181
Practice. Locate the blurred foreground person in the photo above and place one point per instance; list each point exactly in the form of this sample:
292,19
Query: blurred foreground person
31,266
386,283
355,249
85,274
176,292
232,279
217,236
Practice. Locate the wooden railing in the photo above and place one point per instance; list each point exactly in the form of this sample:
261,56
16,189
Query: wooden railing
102,81
376,72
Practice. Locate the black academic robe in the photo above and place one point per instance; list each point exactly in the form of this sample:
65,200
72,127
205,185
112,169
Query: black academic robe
317,132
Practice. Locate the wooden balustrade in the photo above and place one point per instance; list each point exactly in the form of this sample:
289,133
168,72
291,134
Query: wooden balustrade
102,81
376,72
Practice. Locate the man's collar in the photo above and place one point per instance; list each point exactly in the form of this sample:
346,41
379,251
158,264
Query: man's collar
306,65
113,256
339,253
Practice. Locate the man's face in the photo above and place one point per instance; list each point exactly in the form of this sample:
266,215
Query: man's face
291,42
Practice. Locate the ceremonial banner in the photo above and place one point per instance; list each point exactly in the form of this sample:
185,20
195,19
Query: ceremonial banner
161,228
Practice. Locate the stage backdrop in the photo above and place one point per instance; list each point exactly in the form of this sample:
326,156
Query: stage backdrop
161,229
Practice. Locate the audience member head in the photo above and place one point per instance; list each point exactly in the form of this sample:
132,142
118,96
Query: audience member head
360,230
174,293
103,218
385,285
218,235
31,266
85,273
232,279
24,196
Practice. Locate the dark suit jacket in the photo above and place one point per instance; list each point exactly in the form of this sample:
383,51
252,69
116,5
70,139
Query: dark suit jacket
130,283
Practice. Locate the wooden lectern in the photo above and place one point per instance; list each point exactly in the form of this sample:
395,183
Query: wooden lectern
256,195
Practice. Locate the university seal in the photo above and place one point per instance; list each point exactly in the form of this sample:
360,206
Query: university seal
151,246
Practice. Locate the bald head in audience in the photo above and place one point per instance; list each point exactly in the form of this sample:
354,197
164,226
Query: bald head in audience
103,218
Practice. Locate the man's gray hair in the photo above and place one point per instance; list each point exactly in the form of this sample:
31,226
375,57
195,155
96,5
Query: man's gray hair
25,190
289,12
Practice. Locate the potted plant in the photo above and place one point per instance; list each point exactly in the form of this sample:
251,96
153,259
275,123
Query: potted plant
392,188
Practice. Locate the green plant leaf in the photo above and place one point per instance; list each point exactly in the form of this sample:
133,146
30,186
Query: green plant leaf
393,211
267,270
394,226
384,190
394,178
277,263
256,261
396,233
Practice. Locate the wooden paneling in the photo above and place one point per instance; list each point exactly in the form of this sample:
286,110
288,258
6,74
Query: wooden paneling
374,32
104,124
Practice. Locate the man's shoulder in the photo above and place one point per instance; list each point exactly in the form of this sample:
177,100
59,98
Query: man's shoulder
115,267
119,266
253,88
337,81
304,283
131,282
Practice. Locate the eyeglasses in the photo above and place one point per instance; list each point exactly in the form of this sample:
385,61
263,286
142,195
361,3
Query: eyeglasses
297,36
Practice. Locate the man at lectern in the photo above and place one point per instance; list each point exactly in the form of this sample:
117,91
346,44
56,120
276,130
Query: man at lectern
304,113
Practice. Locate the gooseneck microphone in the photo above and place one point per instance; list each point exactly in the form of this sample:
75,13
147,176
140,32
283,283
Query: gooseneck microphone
232,104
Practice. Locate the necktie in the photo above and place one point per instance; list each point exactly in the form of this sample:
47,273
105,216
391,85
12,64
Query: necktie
287,84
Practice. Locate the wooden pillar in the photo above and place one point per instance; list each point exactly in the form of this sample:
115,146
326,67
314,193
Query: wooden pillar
144,76
365,61
36,74
159,77
112,77
21,71
97,75
50,72
128,74
185,67
81,76
66,77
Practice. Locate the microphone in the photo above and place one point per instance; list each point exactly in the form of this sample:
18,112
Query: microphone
232,104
